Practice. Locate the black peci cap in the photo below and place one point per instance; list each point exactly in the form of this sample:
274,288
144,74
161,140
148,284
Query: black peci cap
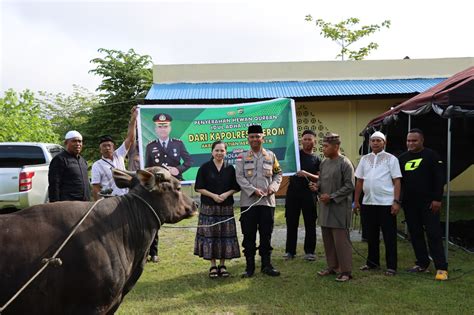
255,129
106,138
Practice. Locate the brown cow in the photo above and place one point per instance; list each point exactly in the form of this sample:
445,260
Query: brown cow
105,257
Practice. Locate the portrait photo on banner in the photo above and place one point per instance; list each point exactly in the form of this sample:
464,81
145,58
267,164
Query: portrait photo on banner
180,136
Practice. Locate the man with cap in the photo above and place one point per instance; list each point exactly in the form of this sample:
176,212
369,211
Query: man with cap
335,187
102,178
166,151
67,176
378,175
422,192
259,176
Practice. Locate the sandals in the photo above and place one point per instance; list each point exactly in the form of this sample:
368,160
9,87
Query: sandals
390,272
326,272
344,277
213,272
223,271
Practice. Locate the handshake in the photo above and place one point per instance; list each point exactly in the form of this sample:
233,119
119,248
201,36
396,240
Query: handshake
313,186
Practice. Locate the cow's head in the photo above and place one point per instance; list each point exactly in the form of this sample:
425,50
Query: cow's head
166,196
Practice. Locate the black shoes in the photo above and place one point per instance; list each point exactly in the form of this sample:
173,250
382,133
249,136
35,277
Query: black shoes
270,271
247,274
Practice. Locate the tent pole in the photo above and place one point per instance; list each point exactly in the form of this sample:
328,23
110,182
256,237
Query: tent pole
409,128
448,188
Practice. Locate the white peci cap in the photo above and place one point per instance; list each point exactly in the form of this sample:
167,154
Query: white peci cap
378,134
73,134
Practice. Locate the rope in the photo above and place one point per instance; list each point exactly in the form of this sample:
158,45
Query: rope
46,261
213,224
151,208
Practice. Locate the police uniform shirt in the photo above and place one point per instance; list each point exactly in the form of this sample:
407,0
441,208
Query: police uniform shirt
257,170
157,155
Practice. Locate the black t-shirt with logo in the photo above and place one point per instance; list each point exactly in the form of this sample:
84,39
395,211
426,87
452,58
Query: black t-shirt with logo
423,176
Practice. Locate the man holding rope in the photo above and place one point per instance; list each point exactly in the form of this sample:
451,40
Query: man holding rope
259,176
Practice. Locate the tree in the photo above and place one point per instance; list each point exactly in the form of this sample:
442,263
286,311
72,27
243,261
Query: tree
21,119
345,34
68,112
71,112
127,77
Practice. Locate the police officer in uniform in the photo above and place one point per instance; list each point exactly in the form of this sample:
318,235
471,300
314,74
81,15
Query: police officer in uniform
165,151
259,175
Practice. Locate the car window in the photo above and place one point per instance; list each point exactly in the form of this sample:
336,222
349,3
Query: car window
19,155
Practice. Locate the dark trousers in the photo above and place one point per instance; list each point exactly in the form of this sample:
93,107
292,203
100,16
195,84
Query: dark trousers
363,223
419,219
258,218
294,206
379,217
154,246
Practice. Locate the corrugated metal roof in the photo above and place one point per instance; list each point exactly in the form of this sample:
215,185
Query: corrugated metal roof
263,90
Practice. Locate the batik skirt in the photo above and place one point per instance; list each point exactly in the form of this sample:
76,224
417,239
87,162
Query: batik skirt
219,241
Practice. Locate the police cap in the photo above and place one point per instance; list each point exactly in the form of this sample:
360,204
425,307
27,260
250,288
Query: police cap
162,118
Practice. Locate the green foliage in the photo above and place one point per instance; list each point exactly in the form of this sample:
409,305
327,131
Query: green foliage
68,112
127,77
345,34
21,119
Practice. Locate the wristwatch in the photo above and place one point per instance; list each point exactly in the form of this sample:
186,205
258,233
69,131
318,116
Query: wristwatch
397,201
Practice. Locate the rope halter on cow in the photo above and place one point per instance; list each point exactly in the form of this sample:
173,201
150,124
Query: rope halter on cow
150,207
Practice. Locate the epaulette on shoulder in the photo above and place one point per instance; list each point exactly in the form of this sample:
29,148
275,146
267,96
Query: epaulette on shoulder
177,140
152,141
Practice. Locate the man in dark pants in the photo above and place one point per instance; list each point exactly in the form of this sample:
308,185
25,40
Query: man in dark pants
258,174
422,192
378,175
299,198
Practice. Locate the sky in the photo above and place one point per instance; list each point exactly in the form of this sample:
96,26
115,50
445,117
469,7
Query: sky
48,45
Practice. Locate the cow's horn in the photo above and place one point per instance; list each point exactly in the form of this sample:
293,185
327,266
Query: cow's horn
163,176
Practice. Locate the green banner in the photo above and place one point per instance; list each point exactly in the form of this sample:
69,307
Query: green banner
193,128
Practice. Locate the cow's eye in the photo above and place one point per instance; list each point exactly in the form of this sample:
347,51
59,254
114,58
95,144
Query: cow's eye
178,188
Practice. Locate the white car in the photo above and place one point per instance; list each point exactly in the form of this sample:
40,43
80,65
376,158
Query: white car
24,170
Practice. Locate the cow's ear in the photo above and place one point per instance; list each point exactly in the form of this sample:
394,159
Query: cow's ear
147,179
123,179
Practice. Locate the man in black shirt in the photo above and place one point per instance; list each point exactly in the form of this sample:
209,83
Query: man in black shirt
67,176
299,198
422,192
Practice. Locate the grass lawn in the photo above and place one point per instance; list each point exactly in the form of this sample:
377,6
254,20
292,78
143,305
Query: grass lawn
179,284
